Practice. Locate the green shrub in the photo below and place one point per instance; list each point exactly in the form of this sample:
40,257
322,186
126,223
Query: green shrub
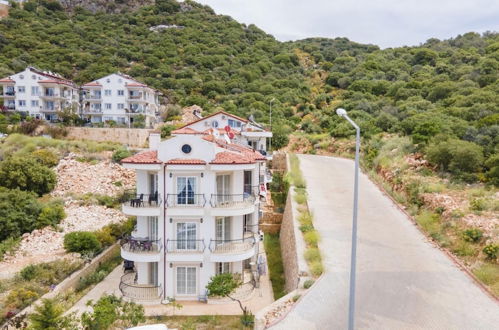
166,130
51,215
27,174
121,154
107,201
430,222
296,297
29,272
311,238
472,235
48,273
306,228
308,283
301,198
491,251
8,245
83,242
464,249
316,268
22,297
312,255
478,204
45,157
105,236
456,156
488,273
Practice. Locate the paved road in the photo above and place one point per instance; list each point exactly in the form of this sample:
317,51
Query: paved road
403,282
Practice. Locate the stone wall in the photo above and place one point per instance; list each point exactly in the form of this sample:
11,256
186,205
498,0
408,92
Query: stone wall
133,137
279,162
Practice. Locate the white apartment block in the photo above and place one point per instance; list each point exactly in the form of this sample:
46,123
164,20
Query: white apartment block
40,94
119,98
197,205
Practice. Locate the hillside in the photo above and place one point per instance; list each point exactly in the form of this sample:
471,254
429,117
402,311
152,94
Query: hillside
443,94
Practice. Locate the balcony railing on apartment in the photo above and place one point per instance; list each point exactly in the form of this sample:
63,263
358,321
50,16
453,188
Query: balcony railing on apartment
185,246
251,189
9,93
8,107
251,228
141,245
185,200
231,201
134,199
232,246
92,97
131,289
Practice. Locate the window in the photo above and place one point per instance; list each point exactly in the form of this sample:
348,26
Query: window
186,190
121,106
234,123
21,76
108,80
121,92
34,103
186,148
33,77
186,236
21,89
108,118
107,92
222,267
222,229
223,188
22,103
97,106
49,105
186,280
108,106
152,227
35,90
121,120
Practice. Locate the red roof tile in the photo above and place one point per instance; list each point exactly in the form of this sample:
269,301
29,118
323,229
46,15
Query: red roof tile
7,80
136,85
186,161
214,114
226,157
54,81
186,130
93,83
146,157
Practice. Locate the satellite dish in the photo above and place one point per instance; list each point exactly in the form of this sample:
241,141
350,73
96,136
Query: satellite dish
251,118
231,135
227,128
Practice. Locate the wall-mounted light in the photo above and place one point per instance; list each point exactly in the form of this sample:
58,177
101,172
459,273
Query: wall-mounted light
171,220
171,265
201,265
202,174
201,220
171,175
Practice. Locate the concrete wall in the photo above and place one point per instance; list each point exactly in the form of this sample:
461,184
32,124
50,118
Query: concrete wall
134,137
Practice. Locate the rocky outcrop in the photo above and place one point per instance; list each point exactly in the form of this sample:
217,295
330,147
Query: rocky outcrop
110,7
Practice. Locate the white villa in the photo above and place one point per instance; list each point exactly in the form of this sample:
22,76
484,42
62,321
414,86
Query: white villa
120,98
41,94
197,206
242,131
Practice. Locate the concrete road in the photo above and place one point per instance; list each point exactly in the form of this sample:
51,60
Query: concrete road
403,281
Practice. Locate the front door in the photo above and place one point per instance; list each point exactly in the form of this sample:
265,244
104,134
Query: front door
222,230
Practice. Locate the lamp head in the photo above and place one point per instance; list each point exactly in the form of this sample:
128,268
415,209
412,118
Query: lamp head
341,112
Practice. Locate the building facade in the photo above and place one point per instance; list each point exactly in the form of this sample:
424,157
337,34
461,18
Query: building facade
120,98
197,206
41,94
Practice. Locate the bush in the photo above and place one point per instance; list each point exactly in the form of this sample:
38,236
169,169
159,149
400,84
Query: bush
82,242
491,251
222,285
316,268
308,283
456,156
8,245
45,157
312,255
29,127
27,174
51,215
166,130
311,238
473,235
49,315
48,273
121,154
22,297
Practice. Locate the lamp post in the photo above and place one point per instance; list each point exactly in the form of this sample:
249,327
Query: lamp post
351,305
270,106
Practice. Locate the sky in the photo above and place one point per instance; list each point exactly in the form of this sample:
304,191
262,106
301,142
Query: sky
386,23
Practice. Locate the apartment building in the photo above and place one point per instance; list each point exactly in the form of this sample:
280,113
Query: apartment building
39,93
197,206
120,98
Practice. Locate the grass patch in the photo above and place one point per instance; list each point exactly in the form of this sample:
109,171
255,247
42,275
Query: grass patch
274,260
430,222
489,275
311,238
313,255
8,245
294,175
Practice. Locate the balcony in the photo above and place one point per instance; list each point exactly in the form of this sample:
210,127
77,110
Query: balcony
141,249
185,246
139,204
130,289
8,94
232,250
50,96
185,200
8,107
92,98
231,205
135,98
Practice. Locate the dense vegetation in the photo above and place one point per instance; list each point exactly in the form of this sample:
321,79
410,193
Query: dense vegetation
440,93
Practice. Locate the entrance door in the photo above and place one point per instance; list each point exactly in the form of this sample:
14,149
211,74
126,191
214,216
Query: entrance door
186,281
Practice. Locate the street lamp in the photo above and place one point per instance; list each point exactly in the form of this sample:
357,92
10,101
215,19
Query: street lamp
270,106
351,306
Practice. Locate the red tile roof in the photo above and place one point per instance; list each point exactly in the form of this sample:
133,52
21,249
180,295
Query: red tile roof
54,81
186,161
226,157
7,80
93,83
186,130
146,157
136,85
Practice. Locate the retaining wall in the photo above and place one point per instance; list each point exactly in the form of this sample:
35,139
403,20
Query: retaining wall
133,137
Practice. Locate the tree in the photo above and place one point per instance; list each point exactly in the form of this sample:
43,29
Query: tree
26,174
19,212
49,316
456,156
280,136
109,311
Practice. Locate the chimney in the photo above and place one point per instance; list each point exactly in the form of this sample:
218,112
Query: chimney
154,140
